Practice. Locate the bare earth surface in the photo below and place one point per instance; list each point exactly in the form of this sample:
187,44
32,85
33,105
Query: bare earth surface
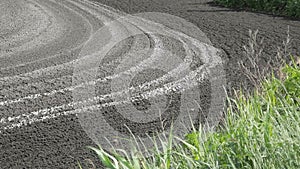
41,40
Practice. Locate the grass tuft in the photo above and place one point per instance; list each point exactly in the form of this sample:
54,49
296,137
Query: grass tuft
260,131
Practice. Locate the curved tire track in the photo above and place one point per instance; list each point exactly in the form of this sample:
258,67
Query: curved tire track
36,74
60,145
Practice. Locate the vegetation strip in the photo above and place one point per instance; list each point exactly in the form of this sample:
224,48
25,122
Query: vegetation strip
279,7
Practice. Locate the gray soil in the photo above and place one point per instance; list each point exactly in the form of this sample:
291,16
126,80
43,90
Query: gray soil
61,142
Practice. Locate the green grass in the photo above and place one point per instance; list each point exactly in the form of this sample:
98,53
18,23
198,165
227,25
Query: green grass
281,7
259,131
